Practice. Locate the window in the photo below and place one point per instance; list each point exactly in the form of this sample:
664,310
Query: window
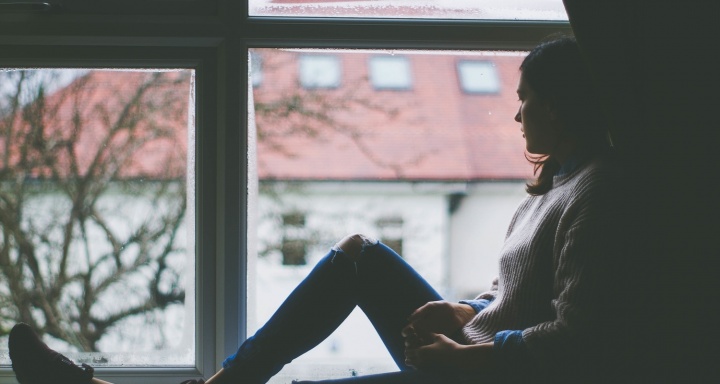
320,71
390,73
294,244
361,159
256,69
94,179
391,232
228,173
478,77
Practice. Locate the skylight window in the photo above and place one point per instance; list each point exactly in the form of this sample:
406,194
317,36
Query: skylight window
320,71
390,72
478,77
256,72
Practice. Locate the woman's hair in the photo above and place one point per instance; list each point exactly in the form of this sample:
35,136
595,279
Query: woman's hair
556,72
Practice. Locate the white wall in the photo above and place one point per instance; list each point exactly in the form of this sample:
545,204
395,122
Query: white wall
477,232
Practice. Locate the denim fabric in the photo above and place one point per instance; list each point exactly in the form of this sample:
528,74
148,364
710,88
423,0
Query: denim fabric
510,349
379,281
402,377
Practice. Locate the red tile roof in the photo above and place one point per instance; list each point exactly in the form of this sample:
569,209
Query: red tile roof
101,125
438,133
433,132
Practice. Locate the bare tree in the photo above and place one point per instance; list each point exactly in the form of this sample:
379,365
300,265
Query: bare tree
92,199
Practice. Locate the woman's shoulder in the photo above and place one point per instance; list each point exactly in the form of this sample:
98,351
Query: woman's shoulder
598,168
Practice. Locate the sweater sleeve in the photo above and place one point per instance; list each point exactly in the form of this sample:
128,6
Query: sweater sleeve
509,348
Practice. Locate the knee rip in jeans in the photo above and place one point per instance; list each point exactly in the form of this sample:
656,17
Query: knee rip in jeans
353,246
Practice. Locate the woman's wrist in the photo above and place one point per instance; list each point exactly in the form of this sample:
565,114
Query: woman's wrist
473,357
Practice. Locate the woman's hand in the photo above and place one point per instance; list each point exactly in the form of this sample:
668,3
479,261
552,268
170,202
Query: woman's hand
443,353
438,317
434,354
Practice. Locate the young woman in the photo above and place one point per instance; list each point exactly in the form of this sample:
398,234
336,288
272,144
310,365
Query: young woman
538,317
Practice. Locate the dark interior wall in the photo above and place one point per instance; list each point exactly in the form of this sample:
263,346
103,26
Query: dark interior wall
656,65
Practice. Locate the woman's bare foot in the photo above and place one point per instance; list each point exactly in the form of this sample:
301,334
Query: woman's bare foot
221,377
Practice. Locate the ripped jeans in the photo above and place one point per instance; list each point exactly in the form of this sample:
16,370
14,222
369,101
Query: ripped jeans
379,281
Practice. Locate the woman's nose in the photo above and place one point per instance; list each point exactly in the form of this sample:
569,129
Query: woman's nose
517,117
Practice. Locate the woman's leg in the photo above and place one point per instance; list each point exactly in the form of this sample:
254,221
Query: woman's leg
356,272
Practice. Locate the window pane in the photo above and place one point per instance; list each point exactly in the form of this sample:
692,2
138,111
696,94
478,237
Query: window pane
436,9
436,174
97,213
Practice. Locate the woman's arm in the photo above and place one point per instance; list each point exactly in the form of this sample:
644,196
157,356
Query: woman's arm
580,280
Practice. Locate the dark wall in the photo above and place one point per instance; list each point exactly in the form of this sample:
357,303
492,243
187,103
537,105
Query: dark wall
657,68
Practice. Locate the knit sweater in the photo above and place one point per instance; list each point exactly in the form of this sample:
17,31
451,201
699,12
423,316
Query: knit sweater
546,281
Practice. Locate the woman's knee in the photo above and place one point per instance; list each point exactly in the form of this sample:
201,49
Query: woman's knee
353,245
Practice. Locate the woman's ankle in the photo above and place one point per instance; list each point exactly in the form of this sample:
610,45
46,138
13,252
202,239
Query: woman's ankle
221,377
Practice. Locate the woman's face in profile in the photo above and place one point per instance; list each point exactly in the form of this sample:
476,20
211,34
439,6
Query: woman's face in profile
539,126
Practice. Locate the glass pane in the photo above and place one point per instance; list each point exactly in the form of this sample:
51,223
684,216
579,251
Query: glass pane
97,213
433,171
435,9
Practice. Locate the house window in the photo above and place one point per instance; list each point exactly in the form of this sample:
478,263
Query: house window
390,72
478,77
391,232
96,192
294,243
320,71
256,69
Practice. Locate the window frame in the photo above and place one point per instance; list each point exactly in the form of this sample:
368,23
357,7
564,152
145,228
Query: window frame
113,7
214,41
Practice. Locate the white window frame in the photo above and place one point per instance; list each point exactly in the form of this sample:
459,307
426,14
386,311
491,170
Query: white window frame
214,39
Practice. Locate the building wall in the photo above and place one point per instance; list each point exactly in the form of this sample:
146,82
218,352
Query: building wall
476,233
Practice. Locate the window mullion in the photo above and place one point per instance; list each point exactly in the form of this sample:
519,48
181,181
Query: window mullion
386,33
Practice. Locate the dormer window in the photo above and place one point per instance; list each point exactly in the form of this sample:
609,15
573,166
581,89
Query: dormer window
320,71
390,73
478,77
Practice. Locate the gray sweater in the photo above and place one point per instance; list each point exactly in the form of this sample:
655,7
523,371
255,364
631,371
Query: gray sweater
546,284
